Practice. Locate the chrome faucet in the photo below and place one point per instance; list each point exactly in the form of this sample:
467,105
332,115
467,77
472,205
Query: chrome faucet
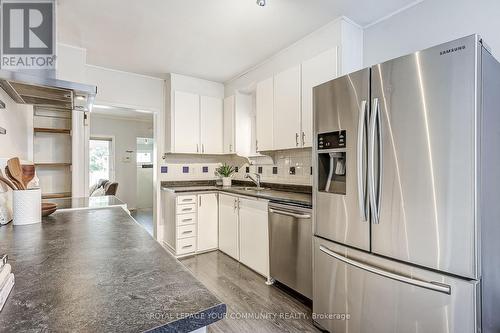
255,179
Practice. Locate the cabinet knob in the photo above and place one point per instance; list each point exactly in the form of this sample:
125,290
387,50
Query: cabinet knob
296,139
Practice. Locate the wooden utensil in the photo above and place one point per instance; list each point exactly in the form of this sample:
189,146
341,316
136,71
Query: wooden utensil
12,179
7,182
16,172
28,173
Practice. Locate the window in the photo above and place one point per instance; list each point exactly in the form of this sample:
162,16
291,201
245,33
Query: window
100,160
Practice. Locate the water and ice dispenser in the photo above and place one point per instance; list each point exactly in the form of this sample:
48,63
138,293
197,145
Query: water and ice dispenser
332,162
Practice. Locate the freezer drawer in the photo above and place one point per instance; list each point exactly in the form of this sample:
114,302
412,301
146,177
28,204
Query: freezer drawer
356,292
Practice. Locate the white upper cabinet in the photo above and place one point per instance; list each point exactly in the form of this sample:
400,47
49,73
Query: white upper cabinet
229,111
285,106
320,69
211,113
193,117
244,118
186,122
286,124
265,111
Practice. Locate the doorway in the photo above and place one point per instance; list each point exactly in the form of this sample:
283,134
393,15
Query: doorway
144,195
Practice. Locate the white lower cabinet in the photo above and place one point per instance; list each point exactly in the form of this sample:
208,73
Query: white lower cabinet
228,225
243,231
254,235
207,222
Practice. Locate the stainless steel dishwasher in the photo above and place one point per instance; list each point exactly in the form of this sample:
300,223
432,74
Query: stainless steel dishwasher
290,249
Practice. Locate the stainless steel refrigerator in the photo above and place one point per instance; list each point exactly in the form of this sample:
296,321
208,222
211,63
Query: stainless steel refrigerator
407,194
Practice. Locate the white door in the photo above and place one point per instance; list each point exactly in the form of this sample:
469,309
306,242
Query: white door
207,222
254,235
228,225
212,125
320,69
229,124
186,122
265,110
286,124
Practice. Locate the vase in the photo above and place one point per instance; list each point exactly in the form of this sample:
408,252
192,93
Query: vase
226,181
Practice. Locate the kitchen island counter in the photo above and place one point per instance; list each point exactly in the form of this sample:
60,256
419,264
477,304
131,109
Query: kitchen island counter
99,271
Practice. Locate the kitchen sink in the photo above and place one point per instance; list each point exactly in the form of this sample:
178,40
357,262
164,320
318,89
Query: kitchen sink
250,188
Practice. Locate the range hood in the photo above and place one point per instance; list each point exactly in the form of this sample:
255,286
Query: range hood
47,92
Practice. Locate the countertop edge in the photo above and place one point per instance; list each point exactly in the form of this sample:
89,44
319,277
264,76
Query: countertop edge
234,192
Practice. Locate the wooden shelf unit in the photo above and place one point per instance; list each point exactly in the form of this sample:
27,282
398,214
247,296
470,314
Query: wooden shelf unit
52,164
50,148
51,130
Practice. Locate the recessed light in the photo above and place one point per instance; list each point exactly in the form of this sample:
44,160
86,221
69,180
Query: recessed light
261,3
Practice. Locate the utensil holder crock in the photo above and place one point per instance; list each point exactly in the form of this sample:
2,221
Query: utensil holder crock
26,205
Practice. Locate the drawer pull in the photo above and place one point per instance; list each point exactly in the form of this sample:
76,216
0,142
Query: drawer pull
187,232
186,220
186,200
187,246
186,209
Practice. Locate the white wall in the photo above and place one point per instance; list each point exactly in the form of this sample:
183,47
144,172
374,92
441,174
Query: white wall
332,35
17,119
429,23
125,133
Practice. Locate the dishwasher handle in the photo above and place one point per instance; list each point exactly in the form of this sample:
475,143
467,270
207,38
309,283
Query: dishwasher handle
291,214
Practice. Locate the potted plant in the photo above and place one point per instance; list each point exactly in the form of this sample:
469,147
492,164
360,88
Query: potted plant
225,171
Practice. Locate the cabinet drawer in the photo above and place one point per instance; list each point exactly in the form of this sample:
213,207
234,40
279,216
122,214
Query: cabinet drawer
186,209
186,199
186,219
186,231
186,245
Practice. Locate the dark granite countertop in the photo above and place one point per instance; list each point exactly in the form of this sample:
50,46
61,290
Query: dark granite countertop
293,195
99,271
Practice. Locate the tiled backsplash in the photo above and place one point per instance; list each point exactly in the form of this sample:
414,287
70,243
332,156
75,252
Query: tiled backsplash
289,167
282,167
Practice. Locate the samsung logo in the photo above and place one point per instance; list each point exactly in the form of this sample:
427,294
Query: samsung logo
455,49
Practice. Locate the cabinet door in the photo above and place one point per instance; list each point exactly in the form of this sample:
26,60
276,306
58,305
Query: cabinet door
229,104
243,125
212,120
254,235
208,214
265,111
286,123
228,225
186,122
320,69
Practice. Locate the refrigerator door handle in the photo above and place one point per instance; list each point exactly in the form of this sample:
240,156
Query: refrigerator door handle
375,195
435,286
380,160
361,185
371,162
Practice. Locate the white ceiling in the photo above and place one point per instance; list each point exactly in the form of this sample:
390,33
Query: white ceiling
211,39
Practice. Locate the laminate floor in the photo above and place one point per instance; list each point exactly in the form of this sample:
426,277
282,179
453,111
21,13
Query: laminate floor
144,216
252,306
